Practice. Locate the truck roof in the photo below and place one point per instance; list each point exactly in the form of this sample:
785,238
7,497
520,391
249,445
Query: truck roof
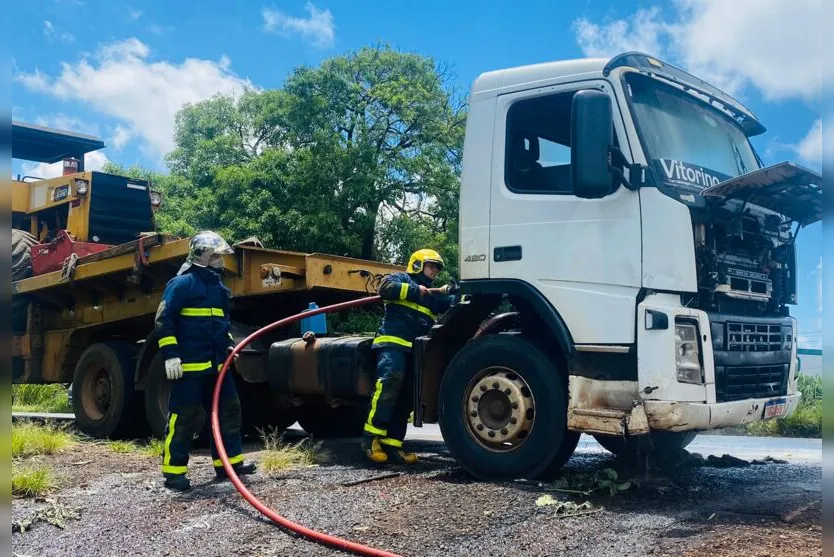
531,73
41,144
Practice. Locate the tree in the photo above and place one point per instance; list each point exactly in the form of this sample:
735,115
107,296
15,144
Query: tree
390,127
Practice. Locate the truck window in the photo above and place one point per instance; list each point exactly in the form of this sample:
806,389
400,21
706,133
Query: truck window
537,150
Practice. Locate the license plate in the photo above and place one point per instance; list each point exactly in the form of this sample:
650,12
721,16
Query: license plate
61,192
775,408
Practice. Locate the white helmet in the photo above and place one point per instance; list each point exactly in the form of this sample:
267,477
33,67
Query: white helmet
202,250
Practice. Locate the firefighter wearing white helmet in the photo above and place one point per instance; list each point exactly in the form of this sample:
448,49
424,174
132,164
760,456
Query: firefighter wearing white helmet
411,307
192,325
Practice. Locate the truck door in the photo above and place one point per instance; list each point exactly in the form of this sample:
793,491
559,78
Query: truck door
584,255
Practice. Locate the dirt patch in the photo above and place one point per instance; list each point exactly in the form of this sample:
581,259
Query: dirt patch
431,509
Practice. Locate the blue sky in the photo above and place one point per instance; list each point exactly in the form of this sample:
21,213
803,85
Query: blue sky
120,70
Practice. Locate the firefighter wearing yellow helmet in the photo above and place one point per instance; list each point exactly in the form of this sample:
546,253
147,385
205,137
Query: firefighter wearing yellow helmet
411,307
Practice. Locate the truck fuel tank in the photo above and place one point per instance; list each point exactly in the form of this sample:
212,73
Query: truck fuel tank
338,367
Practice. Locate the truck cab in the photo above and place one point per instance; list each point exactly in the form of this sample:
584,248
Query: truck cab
643,253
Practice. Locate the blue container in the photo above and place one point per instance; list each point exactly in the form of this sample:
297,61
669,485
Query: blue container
316,323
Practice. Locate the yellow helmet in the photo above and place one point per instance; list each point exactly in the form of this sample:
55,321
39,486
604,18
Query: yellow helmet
420,257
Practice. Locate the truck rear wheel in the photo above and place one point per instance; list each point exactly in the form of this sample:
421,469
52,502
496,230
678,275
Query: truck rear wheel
503,410
321,420
103,397
661,444
157,392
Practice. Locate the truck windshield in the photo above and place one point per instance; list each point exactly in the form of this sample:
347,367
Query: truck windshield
676,127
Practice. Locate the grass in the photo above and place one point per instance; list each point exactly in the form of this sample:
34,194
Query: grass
278,456
30,439
153,447
31,480
40,398
806,421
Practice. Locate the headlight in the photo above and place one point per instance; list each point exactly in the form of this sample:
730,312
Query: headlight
81,187
687,353
156,198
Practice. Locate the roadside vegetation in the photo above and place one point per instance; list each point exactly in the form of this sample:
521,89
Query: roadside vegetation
278,456
30,476
40,398
806,421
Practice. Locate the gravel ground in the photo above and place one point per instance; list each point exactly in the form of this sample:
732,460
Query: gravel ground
431,509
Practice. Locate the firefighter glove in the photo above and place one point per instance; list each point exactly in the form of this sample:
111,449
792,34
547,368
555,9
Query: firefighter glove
173,368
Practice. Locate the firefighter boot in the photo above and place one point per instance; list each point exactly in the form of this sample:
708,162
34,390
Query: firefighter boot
396,454
373,449
241,469
177,482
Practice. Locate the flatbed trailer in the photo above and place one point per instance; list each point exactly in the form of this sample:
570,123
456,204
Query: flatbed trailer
91,324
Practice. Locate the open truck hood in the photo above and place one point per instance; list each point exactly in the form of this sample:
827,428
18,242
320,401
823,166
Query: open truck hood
785,188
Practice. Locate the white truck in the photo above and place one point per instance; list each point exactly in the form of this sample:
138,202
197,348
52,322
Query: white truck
648,255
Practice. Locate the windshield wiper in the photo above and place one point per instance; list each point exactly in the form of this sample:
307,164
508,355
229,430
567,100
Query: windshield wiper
742,168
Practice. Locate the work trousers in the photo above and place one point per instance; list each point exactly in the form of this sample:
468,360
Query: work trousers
190,395
393,397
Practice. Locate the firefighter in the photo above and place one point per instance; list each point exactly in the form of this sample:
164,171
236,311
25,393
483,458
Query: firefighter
192,324
410,311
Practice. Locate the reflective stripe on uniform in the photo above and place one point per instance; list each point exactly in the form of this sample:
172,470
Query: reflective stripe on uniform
369,427
166,460
392,442
415,307
392,339
196,366
403,291
232,460
167,341
202,312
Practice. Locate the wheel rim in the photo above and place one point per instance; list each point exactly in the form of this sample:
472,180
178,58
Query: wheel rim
499,409
96,393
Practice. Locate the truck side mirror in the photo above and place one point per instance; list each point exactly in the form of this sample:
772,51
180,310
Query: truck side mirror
592,137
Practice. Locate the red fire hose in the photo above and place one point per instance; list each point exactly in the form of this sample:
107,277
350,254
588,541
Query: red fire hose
221,450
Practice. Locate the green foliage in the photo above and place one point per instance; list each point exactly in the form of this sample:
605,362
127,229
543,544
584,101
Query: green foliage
40,398
31,480
359,156
806,421
30,439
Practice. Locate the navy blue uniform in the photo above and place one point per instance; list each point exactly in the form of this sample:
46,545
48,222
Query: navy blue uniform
192,323
408,315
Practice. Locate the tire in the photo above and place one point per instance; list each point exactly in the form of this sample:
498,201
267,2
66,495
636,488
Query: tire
157,392
323,421
104,400
22,243
660,444
469,398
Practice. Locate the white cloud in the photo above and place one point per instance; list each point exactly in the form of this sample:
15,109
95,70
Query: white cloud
53,34
92,161
773,45
318,28
121,136
156,29
810,148
142,96
133,14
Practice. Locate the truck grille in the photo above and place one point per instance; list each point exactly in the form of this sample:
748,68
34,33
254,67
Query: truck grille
755,337
741,382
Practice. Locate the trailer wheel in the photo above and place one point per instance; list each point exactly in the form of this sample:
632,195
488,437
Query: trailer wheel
22,243
321,420
104,400
661,444
503,410
157,392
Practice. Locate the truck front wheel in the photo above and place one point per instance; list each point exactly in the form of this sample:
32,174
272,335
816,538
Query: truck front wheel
503,410
103,397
